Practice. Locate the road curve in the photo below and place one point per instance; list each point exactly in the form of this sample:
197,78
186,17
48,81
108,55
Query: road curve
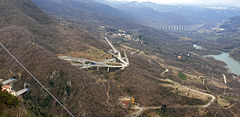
209,103
142,109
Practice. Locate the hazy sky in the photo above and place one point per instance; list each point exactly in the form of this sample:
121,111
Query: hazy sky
201,2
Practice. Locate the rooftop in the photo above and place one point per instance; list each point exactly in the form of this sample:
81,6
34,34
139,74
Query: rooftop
6,87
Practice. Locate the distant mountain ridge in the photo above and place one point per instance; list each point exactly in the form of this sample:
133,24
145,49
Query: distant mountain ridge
146,13
150,16
85,11
97,18
193,14
231,23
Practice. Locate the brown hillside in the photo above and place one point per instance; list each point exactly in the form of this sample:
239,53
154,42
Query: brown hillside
35,39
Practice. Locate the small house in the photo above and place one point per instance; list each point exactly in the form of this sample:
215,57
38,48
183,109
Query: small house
179,57
8,88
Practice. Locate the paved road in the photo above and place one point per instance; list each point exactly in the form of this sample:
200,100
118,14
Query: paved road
6,82
224,78
21,91
96,64
134,52
138,112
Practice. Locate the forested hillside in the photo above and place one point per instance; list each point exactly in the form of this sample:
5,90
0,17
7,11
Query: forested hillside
35,39
231,23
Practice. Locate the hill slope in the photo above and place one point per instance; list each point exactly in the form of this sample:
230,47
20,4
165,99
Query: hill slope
35,39
94,93
96,18
230,37
193,14
149,16
89,12
231,23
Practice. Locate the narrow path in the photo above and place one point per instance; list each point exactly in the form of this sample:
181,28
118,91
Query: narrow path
162,74
108,97
210,102
138,112
142,109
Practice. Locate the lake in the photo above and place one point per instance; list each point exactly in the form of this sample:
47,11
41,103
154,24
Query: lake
232,65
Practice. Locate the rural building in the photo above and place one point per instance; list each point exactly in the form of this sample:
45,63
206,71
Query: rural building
8,88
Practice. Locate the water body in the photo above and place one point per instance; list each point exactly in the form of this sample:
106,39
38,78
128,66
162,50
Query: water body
198,47
232,65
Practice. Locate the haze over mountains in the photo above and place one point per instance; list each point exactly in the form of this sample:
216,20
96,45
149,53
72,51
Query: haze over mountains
145,13
231,23
99,17
192,14
86,11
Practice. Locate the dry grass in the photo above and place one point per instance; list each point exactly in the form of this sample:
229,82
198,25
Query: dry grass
183,91
185,39
217,84
128,48
153,114
91,53
223,102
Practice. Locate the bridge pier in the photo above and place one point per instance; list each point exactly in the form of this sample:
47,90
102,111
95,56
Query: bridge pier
179,28
225,90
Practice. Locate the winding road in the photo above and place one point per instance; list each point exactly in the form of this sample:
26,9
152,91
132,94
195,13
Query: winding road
142,109
209,103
